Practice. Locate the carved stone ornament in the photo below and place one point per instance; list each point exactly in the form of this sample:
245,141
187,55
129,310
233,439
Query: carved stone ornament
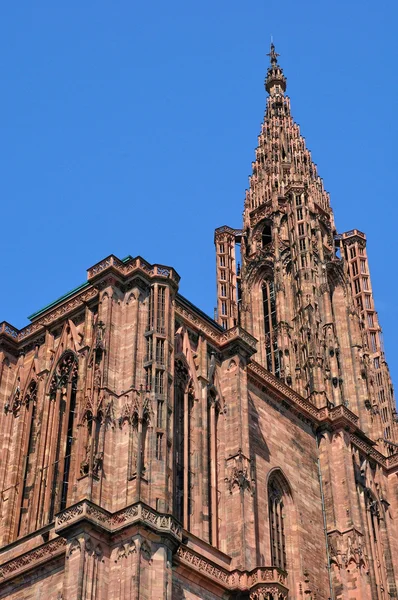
239,473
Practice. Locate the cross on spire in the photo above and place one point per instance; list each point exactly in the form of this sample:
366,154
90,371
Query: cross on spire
273,55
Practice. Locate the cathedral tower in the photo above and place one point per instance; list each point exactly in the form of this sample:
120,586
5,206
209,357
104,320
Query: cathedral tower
302,290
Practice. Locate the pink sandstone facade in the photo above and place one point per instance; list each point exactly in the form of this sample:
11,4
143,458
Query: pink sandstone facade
150,452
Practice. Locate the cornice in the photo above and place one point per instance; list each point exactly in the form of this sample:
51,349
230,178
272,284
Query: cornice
284,392
332,419
19,336
217,335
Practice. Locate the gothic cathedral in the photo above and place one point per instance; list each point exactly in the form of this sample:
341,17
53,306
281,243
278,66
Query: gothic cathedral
151,452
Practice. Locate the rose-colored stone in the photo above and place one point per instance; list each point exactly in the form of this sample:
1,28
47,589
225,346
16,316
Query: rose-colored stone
149,452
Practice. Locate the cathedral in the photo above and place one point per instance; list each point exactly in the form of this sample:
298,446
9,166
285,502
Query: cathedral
149,451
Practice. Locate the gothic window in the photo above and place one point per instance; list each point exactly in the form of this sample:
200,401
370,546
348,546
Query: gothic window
223,290
63,391
222,275
179,453
352,252
183,406
367,301
223,308
269,312
302,244
151,309
277,497
354,268
357,286
301,228
148,378
266,237
159,419
365,283
161,316
222,261
299,214
159,382
160,351
149,346
28,477
159,439
373,344
222,249
298,201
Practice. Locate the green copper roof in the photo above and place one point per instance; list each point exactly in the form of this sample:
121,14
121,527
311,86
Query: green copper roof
61,299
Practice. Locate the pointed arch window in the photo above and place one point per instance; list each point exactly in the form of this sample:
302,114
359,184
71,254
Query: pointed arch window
270,324
63,391
28,477
277,516
183,407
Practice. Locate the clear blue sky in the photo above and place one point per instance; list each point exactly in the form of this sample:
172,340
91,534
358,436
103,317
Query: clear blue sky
129,127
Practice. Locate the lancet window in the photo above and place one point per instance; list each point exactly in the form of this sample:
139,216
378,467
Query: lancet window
63,393
277,514
28,477
183,403
269,312
161,312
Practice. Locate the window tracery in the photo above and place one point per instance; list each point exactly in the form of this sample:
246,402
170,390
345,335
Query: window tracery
63,390
270,326
277,496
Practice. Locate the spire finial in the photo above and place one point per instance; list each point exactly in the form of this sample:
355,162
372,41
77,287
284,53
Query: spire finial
272,54
275,82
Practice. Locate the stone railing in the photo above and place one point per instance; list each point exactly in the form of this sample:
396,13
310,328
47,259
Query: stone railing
270,579
230,230
36,556
238,332
338,412
60,311
112,522
7,329
131,265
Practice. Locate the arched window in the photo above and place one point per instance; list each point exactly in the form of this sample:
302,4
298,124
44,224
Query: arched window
266,237
270,323
29,476
183,405
277,492
63,392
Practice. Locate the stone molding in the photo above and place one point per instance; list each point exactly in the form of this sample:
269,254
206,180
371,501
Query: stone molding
32,559
337,417
236,580
19,335
220,337
276,384
138,513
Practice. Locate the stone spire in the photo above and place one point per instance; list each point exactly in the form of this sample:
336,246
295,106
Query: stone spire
294,292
